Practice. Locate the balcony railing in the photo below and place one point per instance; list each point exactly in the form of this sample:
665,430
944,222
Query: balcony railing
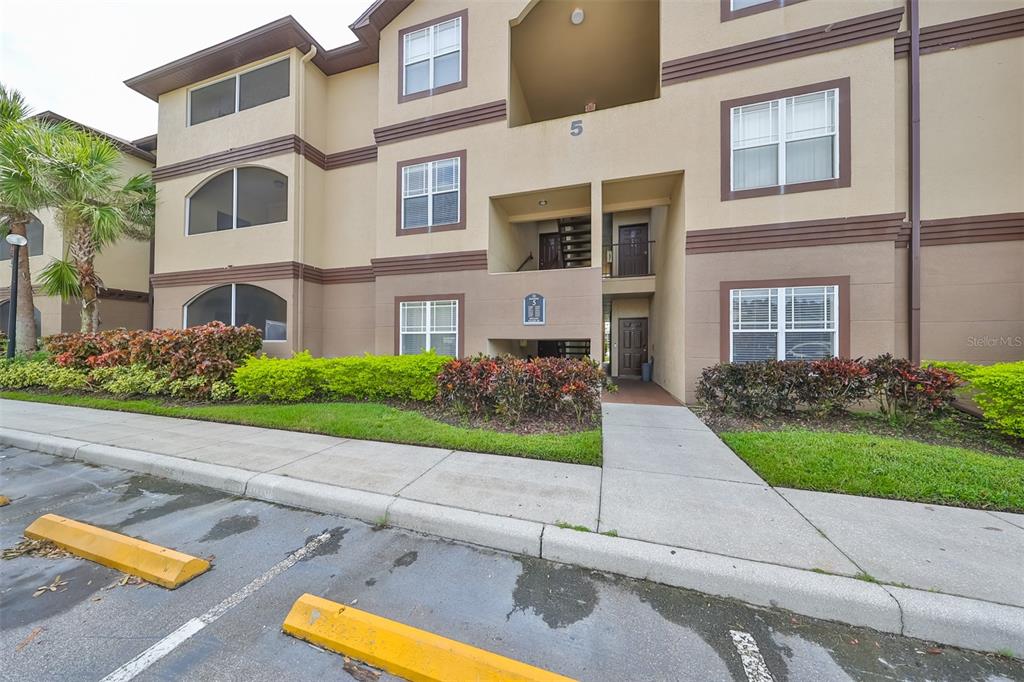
628,259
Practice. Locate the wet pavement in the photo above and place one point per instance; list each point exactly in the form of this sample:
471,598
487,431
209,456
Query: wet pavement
580,623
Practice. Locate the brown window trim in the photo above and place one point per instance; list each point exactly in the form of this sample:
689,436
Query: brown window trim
728,194
461,298
461,225
842,281
463,82
728,13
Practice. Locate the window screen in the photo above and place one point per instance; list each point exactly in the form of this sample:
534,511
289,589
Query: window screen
237,198
432,57
429,325
430,193
784,323
239,92
212,101
239,304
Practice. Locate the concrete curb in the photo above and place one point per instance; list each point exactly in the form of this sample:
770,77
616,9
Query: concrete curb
946,619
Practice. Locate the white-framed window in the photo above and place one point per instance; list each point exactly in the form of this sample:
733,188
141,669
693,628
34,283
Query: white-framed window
236,198
429,325
430,193
239,304
743,4
432,57
242,91
784,323
785,141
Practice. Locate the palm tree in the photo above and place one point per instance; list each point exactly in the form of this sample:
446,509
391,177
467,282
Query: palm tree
94,210
24,188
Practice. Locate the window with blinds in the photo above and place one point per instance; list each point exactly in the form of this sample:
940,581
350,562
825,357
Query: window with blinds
784,323
430,193
785,141
429,325
432,57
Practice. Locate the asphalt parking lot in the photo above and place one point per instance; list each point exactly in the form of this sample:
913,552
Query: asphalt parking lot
578,623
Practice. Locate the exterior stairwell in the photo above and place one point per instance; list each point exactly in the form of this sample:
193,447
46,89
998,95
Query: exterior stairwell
574,234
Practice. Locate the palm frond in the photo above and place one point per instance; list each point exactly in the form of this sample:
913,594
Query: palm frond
60,278
13,106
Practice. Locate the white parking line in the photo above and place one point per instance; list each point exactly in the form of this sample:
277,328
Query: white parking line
140,663
753,662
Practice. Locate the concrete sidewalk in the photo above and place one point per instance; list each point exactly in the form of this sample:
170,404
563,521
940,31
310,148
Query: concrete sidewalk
686,510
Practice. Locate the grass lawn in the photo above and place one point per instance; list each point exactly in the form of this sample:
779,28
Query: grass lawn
878,466
368,421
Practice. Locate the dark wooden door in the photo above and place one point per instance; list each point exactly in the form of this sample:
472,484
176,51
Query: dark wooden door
633,250
550,251
632,345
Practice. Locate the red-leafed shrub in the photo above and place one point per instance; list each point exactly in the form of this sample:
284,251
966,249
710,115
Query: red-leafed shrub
511,388
211,351
759,389
901,387
833,385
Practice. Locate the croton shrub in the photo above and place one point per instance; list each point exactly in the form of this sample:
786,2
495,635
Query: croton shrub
195,363
898,386
511,388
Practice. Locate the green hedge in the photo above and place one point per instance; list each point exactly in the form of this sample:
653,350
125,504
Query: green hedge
999,391
370,377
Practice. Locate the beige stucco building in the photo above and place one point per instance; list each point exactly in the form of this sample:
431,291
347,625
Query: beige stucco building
680,182
124,267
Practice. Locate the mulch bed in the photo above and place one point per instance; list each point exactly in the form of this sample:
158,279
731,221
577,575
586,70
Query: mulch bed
529,425
954,429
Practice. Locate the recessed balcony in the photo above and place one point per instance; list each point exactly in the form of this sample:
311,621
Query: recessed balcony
570,57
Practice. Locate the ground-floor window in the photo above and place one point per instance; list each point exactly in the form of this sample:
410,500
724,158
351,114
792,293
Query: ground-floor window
784,323
238,304
429,325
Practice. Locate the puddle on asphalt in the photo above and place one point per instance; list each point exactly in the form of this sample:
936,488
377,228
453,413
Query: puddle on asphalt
332,545
560,595
232,525
407,559
180,496
84,579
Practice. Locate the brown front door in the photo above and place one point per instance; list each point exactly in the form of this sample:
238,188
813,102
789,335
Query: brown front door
632,345
550,251
633,250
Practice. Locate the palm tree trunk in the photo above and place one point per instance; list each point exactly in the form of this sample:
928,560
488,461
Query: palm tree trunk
83,251
25,324
90,309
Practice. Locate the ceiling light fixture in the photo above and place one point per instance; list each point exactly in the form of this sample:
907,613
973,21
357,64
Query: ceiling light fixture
542,202
577,16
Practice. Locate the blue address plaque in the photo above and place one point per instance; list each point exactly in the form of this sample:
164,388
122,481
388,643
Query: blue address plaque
534,309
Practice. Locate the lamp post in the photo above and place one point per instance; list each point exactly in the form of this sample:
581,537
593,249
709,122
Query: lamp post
17,241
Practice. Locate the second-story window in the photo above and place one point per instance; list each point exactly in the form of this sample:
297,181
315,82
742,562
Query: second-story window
786,141
240,197
432,57
239,92
431,193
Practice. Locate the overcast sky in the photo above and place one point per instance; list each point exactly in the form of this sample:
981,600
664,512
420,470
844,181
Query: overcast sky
72,56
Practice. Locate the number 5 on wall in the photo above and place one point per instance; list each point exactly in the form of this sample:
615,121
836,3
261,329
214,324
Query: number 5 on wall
576,128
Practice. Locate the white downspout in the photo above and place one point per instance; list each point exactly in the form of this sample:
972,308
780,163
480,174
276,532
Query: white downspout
300,213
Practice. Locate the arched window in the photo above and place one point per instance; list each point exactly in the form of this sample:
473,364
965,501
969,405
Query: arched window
240,197
238,304
34,234
5,310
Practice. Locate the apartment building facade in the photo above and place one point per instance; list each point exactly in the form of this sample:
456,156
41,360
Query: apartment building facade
124,267
669,182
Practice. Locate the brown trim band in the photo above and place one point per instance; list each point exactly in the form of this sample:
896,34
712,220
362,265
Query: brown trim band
728,13
463,48
825,38
461,298
380,267
996,227
842,281
350,157
845,147
260,150
830,231
436,262
963,32
460,225
442,123
124,295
